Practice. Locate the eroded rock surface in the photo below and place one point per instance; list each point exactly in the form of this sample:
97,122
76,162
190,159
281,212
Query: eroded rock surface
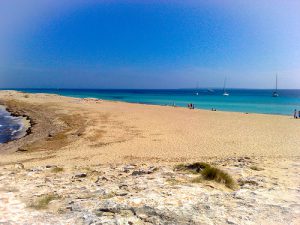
148,194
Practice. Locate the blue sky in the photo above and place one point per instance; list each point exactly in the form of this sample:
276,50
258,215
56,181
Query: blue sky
149,44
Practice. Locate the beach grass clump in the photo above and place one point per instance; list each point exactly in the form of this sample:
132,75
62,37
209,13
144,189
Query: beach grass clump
213,173
192,168
256,168
207,172
43,201
57,169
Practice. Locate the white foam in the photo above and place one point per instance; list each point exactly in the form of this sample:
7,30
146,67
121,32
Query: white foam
15,134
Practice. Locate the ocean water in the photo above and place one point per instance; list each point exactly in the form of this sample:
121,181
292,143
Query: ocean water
10,127
239,100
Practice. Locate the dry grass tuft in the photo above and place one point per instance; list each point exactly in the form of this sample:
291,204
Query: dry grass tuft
43,201
208,172
192,168
256,168
212,173
57,169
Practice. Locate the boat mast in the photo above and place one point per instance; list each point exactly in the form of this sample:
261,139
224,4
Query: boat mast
224,85
197,89
275,93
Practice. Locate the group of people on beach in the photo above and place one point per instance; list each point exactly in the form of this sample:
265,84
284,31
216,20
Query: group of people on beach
191,106
296,114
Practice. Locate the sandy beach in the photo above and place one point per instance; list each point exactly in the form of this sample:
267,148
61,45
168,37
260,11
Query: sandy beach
125,153
92,132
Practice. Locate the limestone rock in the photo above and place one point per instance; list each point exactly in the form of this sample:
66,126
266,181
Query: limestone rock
80,175
19,166
144,171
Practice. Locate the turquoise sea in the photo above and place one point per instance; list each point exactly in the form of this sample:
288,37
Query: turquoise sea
239,100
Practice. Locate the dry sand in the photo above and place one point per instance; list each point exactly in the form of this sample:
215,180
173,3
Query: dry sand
75,131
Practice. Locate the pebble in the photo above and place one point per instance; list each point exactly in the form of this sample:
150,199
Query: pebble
19,166
80,175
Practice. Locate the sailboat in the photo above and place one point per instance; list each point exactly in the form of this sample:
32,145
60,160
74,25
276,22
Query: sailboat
275,93
197,93
224,89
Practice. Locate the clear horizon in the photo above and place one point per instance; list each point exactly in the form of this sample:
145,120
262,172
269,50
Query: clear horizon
182,88
153,45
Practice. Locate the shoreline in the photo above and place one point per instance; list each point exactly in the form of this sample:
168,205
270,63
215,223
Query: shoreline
152,103
185,107
161,105
38,125
25,123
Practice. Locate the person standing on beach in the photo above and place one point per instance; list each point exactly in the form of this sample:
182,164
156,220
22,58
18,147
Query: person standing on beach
295,114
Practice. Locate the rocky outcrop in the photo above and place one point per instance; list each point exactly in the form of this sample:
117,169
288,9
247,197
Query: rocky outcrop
146,194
